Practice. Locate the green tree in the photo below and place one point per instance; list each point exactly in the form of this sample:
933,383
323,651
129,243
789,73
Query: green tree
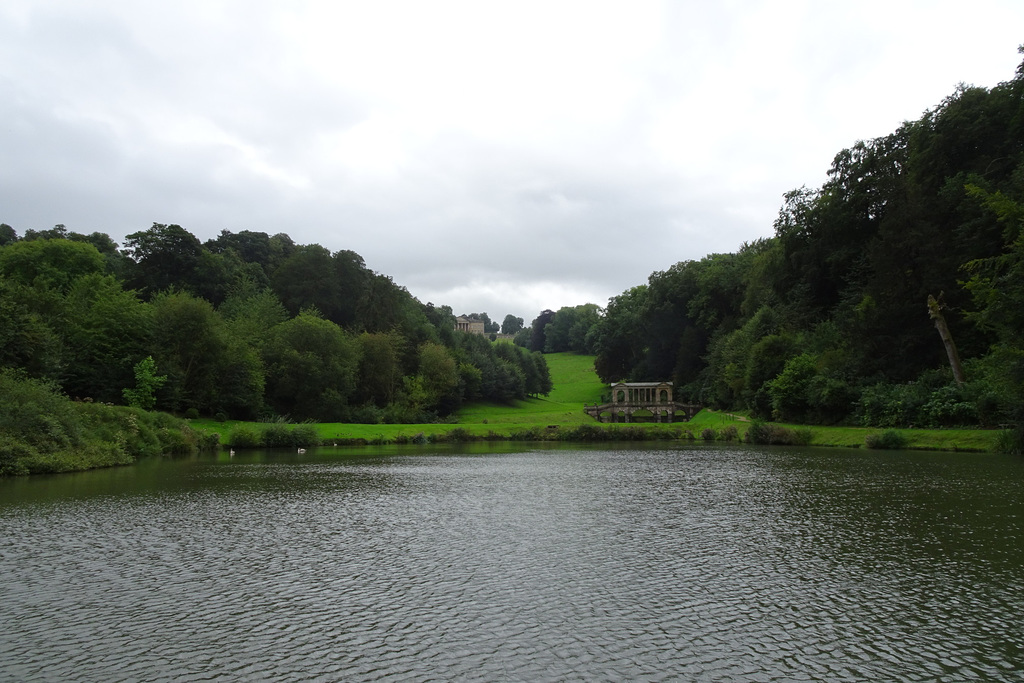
439,377
312,369
27,341
511,324
7,235
380,366
49,263
336,285
105,329
538,339
146,383
621,336
189,343
164,256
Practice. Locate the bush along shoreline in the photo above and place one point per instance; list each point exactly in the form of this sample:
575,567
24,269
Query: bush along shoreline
707,427
43,431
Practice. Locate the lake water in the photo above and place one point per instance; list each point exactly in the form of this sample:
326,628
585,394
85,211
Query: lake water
659,563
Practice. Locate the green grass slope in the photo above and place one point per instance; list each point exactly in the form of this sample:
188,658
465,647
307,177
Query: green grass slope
574,383
560,415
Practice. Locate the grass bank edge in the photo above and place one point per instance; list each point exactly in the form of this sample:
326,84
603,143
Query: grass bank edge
707,425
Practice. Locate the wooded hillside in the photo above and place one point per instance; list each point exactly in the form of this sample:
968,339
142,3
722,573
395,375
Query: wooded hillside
828,320
247,326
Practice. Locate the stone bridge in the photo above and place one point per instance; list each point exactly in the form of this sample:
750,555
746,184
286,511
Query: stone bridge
631,397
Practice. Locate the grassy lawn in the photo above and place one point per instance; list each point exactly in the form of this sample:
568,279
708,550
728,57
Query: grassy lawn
574,384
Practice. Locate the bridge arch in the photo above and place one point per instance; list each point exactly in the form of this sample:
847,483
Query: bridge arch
646,398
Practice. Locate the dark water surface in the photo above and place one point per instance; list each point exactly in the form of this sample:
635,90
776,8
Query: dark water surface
563,564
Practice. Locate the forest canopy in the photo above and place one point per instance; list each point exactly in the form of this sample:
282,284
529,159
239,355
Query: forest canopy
246,326
828,321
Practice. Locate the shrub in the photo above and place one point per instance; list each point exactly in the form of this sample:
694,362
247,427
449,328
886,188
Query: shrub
175,441
892,405
277,435
1011,441
528,434
627,433
730,433
221,417
947,407
244,436
305,436
192,414
708,434
888,440
366,414
460,435
764,433
803,437
584,432
209,441
14,453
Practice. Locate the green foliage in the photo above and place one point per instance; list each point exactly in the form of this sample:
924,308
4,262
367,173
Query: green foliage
572,328
923,404
245,436
43,431
305,436
49,263
380,366
164,256
105,329
823,323
439,377
831,310
277,435
891,405
190,344
27,340
312,368
146,384
511,325
765,433
888,440
947,407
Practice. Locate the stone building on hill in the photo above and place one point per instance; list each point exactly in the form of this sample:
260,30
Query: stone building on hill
464,324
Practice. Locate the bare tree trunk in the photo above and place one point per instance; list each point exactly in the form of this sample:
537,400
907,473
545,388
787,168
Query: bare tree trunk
935,312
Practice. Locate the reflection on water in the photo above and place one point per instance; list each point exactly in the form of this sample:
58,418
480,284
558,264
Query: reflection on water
679,563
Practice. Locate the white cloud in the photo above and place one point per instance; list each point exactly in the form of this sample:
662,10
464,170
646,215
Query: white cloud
499,157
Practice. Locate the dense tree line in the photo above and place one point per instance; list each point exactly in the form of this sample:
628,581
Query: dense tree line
827,321
247,325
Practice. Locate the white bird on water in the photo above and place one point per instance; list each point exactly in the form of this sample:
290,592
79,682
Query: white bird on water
302,450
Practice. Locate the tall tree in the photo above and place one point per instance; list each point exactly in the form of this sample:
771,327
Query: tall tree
312,369
164,256
190,346
538,337
49,263
106,331
511,324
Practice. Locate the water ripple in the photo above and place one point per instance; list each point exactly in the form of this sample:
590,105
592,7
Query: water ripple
701,565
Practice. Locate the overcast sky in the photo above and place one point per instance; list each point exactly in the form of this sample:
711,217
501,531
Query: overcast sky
492,156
